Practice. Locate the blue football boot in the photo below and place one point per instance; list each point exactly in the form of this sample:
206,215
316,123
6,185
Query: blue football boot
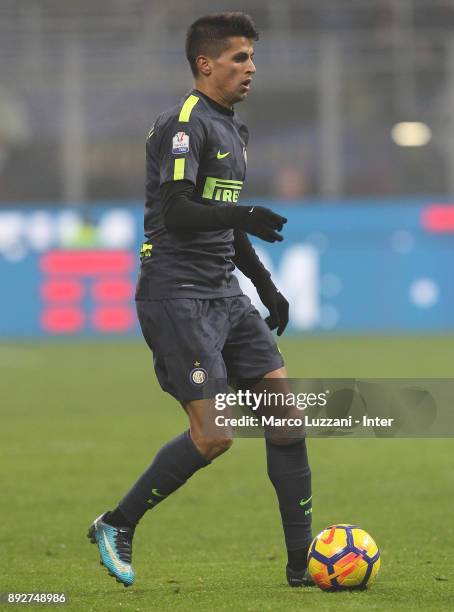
115,548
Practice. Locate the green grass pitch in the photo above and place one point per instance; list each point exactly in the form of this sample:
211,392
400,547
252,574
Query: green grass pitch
81,421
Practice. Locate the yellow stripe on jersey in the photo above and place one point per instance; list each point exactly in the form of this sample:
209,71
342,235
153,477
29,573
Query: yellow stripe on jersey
187,107
178,170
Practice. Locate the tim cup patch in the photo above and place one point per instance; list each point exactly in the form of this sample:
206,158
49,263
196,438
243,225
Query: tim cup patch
198,376
180,143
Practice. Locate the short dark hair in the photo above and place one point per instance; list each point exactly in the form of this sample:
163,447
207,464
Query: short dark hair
208,35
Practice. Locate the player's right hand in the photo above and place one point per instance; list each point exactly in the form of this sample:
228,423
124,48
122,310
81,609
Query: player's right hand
259,221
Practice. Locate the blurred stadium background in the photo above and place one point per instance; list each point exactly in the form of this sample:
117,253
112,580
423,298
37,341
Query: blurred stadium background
352,135
352,131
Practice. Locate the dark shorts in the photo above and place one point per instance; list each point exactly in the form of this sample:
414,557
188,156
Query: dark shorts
198,341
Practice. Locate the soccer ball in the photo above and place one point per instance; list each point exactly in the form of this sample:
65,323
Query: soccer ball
343,557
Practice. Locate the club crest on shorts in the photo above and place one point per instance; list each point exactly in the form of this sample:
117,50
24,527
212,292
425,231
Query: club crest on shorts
180,143
198,376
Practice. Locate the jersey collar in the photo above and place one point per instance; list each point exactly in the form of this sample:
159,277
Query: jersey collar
215,105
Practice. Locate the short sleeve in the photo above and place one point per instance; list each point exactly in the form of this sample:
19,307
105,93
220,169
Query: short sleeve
181,148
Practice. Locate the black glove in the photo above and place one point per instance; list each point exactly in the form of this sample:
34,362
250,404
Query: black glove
259,221
276,304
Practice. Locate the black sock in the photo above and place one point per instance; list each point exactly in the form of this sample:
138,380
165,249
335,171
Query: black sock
297,559
116,518
288,469
173,465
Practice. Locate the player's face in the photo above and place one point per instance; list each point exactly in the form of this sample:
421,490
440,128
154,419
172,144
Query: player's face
233,70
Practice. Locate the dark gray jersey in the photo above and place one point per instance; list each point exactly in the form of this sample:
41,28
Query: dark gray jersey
204,143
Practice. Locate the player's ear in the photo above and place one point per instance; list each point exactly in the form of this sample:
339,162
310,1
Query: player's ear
204,65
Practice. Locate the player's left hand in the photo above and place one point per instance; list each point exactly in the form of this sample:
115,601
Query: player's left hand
276,304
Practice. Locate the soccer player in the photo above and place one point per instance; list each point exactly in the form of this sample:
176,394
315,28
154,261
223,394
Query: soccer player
193,314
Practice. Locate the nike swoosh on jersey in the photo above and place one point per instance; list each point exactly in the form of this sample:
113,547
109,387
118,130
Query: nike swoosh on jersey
121,567
222,155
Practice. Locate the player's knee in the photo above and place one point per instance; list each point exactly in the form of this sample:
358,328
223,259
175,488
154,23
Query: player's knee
212,447
218,446
223,443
